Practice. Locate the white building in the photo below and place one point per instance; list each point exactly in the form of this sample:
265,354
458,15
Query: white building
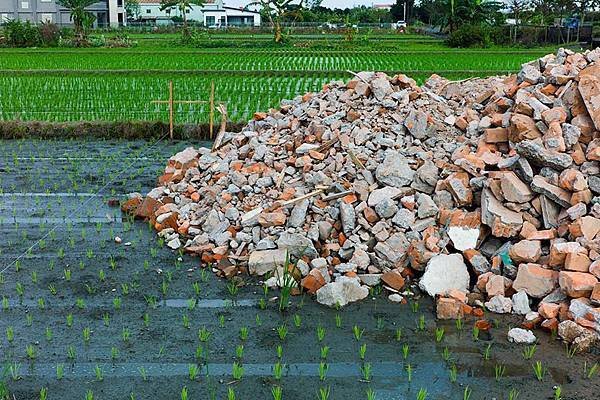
106,12
213,13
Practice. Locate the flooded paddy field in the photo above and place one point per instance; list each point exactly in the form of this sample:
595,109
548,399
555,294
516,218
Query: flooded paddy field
84,316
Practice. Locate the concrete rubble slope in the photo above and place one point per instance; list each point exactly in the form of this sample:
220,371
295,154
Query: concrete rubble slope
489,189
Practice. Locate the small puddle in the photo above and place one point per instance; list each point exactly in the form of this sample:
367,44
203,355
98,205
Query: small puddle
48,195
78,159
334,370
209,303
57,220
169,303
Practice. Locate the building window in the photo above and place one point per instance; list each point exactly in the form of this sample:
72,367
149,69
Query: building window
168,11
25,5
187,11
45,1
119,3
45,17
148,11
4,18
210,20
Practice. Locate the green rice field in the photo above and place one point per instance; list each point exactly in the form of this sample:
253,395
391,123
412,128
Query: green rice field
119,84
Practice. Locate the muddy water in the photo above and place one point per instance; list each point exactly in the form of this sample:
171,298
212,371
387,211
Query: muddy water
120,322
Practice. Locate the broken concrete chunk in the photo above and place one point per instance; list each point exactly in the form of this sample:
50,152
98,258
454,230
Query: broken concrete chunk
463,238
536,154
525,251
416,123
266,261
449,308
521,336
445,272
514,189
535,280
577,284
381,87
589,88
341,292
378,195
504,222
554,193
499,304
297,245
522,128
394,170
251,217
521,303
298,214
348,217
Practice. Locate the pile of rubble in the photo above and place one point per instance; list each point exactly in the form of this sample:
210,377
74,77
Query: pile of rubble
485,192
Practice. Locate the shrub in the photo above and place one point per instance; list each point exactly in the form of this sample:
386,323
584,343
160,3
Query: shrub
22,34
49,34
121,40
470,36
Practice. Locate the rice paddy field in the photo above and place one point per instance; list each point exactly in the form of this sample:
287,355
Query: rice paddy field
86,317
95,306
119,84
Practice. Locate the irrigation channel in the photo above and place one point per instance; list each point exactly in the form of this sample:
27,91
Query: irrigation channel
82,314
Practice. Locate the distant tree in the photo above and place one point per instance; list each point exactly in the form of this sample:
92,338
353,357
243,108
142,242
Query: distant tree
132,9
276,11
451,14
398,10
583,7
82,19
184,6
476,12
432,12
543,10
518,9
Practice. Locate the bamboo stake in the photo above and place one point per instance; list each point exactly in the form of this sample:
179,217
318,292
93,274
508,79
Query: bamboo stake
171,102
171,109
212,108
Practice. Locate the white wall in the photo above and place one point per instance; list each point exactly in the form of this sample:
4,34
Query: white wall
152,11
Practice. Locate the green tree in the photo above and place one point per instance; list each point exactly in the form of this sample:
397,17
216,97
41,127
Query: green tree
452,14
276,11
399,9
132,9
82,19
183,6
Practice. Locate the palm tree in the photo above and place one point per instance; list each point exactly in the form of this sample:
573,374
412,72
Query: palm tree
81,18
183,6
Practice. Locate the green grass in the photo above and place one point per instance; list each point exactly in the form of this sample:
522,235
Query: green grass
119,84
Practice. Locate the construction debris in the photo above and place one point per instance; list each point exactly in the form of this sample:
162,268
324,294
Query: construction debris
380,181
